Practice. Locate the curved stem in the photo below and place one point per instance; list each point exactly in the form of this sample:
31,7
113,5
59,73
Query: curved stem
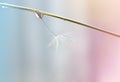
59,17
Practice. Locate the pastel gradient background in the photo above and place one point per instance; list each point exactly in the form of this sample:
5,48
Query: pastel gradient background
105,14
30,53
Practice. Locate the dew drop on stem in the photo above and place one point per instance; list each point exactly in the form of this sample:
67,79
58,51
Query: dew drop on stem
39,15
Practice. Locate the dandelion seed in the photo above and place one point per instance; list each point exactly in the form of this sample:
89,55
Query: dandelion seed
58,40
54,42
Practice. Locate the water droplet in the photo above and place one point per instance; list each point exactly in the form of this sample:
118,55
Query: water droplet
39,15
3,7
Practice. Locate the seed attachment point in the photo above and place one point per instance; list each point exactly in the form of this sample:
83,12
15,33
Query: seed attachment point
39,15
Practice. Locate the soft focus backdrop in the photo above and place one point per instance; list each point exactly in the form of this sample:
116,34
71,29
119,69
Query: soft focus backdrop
53,50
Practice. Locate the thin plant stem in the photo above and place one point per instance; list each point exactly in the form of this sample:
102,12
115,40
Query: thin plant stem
59,17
